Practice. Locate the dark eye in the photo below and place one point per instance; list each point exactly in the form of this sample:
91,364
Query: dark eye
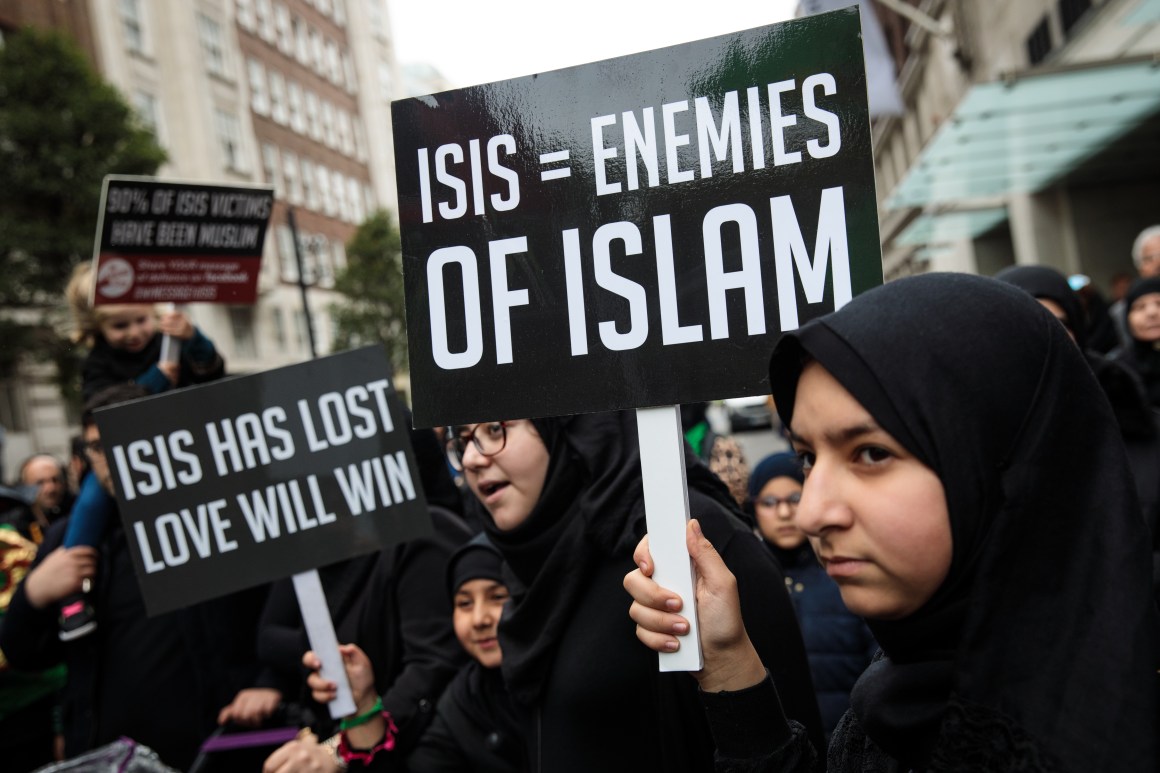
493,430
500,596
873,455
463,604
806,460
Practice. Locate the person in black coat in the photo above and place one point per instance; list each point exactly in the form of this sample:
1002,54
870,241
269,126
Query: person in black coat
476,729
158,680
564,506
1139,421
967,488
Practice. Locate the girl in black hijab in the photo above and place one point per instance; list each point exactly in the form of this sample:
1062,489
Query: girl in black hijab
1020,633
565,507
1142,306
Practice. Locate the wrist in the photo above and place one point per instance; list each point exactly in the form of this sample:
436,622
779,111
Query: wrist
737,668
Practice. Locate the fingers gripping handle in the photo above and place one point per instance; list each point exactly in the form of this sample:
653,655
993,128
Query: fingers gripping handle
666,505
324,642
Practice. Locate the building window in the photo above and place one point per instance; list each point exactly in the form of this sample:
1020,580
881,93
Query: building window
355,199
244,12
360,141
1039,42
242,327
339,187
309,186
271,169
349,73
132,25
340,12
259,97
338,251
369,198
300,331
345,133
147,110
265,12
290,175
322,176
210,33
313,117
333,63
325,261
323,7
278,97
286,257
285,33
294,103
328,133
317,53
301,41
278,328
1070,12
230,138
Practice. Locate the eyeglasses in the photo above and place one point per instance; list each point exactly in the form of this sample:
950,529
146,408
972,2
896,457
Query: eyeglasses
94,446
489,438
771,501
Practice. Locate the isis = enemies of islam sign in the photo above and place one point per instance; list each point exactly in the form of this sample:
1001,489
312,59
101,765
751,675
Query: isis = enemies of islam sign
166,241
637,231
247,480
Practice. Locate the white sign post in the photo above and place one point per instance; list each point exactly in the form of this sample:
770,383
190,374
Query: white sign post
324,642
666,508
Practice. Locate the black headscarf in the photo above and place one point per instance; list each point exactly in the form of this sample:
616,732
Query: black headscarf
1039,650
779,465
591,507
1046,282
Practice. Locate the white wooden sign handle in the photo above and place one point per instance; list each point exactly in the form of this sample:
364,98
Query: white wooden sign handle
170,346
666,507
324,642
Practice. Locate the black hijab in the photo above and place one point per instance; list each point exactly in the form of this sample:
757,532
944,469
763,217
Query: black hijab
1039,650
592,507
1046,282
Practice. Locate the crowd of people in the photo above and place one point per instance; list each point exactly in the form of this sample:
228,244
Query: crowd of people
956,568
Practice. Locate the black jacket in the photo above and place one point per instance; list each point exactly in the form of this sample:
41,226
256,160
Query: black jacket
158,680
475,729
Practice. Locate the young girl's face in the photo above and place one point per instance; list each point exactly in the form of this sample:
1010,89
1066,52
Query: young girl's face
129,328
1144,318
478,605
776,521
509,483
876,516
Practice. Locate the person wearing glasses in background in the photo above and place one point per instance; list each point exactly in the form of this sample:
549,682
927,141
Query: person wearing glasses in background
563,503
839,645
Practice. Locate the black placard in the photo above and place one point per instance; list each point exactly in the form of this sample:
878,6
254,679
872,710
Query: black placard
247,480
168,241
545,275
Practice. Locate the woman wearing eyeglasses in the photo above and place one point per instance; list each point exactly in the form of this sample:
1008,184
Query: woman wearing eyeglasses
565,507
839,645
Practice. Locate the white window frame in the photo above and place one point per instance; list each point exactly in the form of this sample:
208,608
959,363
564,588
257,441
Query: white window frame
133,26
264,11
282,29
244,13
294,106
309,186
230,140
272,168
259,92
278,98
209,34
291,176
313,117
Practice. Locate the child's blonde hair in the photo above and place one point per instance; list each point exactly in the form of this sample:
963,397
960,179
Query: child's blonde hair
79,294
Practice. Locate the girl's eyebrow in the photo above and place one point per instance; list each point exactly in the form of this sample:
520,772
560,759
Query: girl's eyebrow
841,436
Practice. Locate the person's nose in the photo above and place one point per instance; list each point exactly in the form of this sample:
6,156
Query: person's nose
823,505
473,459
786,510
482,616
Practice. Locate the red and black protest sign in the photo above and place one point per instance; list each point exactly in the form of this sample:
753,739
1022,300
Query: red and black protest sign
248,480
164,241
637,231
